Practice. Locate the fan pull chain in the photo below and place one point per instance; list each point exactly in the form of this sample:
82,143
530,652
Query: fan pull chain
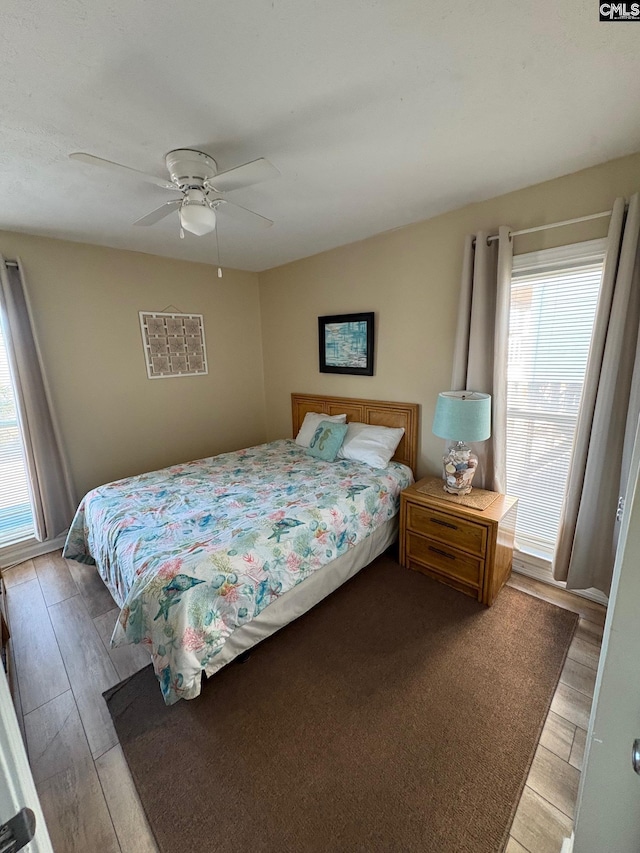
218,254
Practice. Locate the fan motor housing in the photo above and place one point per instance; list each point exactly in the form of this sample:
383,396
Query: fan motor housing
189,168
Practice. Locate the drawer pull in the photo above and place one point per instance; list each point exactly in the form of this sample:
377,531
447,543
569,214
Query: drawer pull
442,553
444,523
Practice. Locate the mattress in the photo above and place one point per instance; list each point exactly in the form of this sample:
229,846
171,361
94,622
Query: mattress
197,552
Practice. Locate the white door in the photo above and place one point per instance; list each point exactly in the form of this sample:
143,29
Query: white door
608,815
17,789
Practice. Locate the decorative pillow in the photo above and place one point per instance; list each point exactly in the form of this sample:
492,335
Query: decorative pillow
373,445
327,440
310,424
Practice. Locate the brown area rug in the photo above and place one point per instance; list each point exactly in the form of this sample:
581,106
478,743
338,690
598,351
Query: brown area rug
397,715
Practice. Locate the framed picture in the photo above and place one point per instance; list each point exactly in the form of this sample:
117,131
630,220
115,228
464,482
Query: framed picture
346,344
173,344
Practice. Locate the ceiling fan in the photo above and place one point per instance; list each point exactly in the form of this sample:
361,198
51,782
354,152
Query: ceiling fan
195,176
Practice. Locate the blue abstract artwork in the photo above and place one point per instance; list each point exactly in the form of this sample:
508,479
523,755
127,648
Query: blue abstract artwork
345,344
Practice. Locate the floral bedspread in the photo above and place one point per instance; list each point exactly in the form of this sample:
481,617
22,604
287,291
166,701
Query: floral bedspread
194,551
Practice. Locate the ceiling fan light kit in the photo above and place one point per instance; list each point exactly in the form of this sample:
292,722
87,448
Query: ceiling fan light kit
195,214
195,175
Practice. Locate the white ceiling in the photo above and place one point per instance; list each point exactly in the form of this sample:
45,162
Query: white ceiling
377,113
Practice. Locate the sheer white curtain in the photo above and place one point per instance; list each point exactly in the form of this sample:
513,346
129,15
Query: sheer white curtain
482,339
608,417
50,483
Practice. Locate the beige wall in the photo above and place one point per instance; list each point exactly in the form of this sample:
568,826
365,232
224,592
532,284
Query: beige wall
115,422
411,279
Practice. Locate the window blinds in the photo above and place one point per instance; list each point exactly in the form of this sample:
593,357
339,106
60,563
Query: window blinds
16,517
554,294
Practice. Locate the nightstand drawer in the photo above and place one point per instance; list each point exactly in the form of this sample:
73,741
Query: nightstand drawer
447,560
456,531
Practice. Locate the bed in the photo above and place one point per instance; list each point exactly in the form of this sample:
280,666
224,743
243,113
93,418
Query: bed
207,558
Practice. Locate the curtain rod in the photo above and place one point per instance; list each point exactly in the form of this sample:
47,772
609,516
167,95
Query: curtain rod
554,225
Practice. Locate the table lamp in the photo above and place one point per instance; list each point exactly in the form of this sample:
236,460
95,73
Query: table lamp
461,416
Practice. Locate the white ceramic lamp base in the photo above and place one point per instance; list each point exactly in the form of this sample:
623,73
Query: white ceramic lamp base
459,464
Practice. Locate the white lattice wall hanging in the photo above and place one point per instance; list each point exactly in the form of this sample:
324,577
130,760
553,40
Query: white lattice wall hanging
174,344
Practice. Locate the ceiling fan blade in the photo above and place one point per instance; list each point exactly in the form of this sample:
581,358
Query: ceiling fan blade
118,167
159,213
243,176
241,214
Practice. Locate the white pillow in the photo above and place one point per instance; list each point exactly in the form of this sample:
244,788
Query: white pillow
310,424
373,445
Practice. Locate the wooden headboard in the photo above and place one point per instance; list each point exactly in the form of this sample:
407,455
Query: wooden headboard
376,412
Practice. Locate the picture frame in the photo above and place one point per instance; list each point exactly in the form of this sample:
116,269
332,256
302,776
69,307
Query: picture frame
174,344
346,343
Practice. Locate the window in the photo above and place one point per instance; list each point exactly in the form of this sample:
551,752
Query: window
16,516
554,295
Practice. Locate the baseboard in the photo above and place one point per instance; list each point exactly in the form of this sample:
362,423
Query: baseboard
535,567
15,554
567,845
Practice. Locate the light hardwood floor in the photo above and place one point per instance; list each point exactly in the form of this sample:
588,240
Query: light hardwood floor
62,617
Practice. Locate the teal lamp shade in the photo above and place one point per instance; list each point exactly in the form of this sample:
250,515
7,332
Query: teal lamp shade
463,416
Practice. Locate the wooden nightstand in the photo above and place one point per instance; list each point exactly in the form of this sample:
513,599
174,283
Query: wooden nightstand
467,548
